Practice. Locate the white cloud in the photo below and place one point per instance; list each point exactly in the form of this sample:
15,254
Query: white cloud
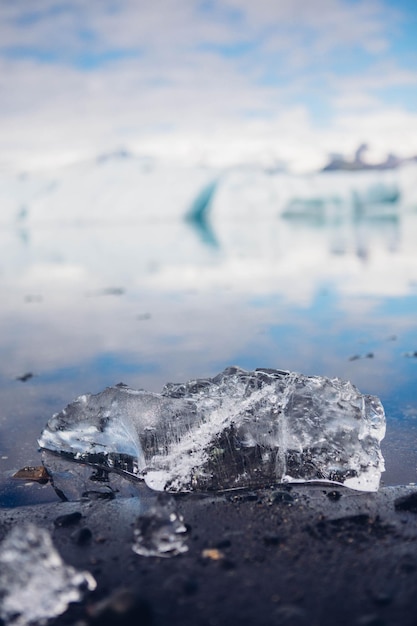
331,23
182,98
379,76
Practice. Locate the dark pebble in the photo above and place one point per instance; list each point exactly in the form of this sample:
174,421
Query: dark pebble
67,520
407,503
25,377
271,540
83,536
334,495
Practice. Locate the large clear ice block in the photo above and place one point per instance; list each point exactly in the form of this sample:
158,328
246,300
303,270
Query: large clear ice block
238,429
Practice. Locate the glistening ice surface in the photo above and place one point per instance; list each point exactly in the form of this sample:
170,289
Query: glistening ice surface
160,531
238,429
35,584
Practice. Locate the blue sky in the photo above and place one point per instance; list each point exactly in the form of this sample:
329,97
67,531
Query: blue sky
212,81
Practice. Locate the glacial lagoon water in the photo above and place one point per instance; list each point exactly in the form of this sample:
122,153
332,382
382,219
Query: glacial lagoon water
137,273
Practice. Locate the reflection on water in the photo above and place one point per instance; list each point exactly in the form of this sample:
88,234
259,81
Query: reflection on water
319,277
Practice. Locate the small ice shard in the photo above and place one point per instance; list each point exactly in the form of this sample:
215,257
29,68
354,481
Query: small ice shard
160,530
35,584
238,429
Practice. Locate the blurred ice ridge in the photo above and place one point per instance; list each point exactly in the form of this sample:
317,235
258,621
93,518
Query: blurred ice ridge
238,429
86,194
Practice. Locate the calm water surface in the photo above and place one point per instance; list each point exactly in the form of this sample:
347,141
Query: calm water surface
146,301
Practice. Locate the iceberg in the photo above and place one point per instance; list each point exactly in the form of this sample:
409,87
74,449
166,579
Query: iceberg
238,429
35,584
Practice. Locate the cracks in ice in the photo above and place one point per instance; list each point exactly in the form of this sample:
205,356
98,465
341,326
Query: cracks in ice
237,429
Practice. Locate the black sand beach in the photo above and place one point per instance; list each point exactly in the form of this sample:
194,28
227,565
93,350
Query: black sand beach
303,555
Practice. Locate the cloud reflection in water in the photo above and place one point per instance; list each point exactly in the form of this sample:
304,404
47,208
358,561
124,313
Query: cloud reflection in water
89,300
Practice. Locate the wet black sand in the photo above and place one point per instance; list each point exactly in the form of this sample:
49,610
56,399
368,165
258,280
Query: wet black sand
307,555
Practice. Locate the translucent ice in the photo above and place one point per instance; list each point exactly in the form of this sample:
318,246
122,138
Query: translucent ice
35,584
75,481
160,530
238,429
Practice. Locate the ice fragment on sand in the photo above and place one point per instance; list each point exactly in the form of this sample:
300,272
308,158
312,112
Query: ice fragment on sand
35,584
160,530
238,429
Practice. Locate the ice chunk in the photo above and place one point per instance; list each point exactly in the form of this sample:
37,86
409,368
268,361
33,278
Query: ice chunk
76,481
238,429
35,584
160,530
